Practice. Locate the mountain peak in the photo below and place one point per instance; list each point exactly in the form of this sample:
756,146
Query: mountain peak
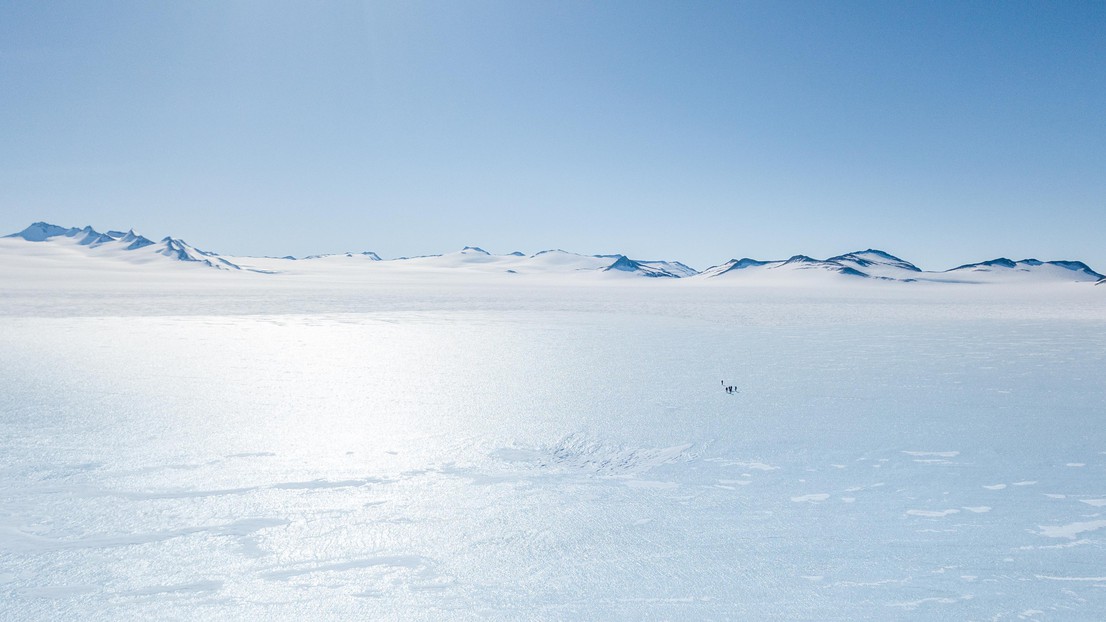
876,251
40,231
654,269
800,259
623,263
871,257
732,265
1077,266
871,253
1000,262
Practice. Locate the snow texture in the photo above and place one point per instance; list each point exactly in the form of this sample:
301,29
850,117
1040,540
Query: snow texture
435,438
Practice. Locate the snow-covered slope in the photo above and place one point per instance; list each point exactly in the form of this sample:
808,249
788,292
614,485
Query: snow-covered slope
128,246
797,268
55,245
183,251
1006,270
880,265
365,255
877,263
551,262
476,260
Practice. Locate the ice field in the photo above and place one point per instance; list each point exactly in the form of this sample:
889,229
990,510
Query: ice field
451,449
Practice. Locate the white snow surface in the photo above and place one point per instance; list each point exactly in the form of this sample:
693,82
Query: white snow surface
435,438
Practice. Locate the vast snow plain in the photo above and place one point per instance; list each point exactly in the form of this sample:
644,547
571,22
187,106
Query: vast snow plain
181,443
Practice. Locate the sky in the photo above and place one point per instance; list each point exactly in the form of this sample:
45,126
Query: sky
942,132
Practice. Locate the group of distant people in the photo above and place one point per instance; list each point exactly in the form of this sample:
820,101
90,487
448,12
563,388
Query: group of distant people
729,388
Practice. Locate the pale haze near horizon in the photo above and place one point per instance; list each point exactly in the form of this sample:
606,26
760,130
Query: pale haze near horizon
943,133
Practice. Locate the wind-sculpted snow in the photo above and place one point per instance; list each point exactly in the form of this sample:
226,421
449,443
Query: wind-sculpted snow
466,450
578,455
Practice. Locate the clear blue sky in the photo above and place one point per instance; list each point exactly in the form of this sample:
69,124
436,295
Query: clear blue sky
943,132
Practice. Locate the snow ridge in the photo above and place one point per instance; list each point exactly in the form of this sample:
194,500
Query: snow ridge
881,265
183,251
114,242
652,269
1078,270
371,256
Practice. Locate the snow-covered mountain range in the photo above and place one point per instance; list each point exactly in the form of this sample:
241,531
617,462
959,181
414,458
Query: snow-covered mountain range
115,242
875,265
